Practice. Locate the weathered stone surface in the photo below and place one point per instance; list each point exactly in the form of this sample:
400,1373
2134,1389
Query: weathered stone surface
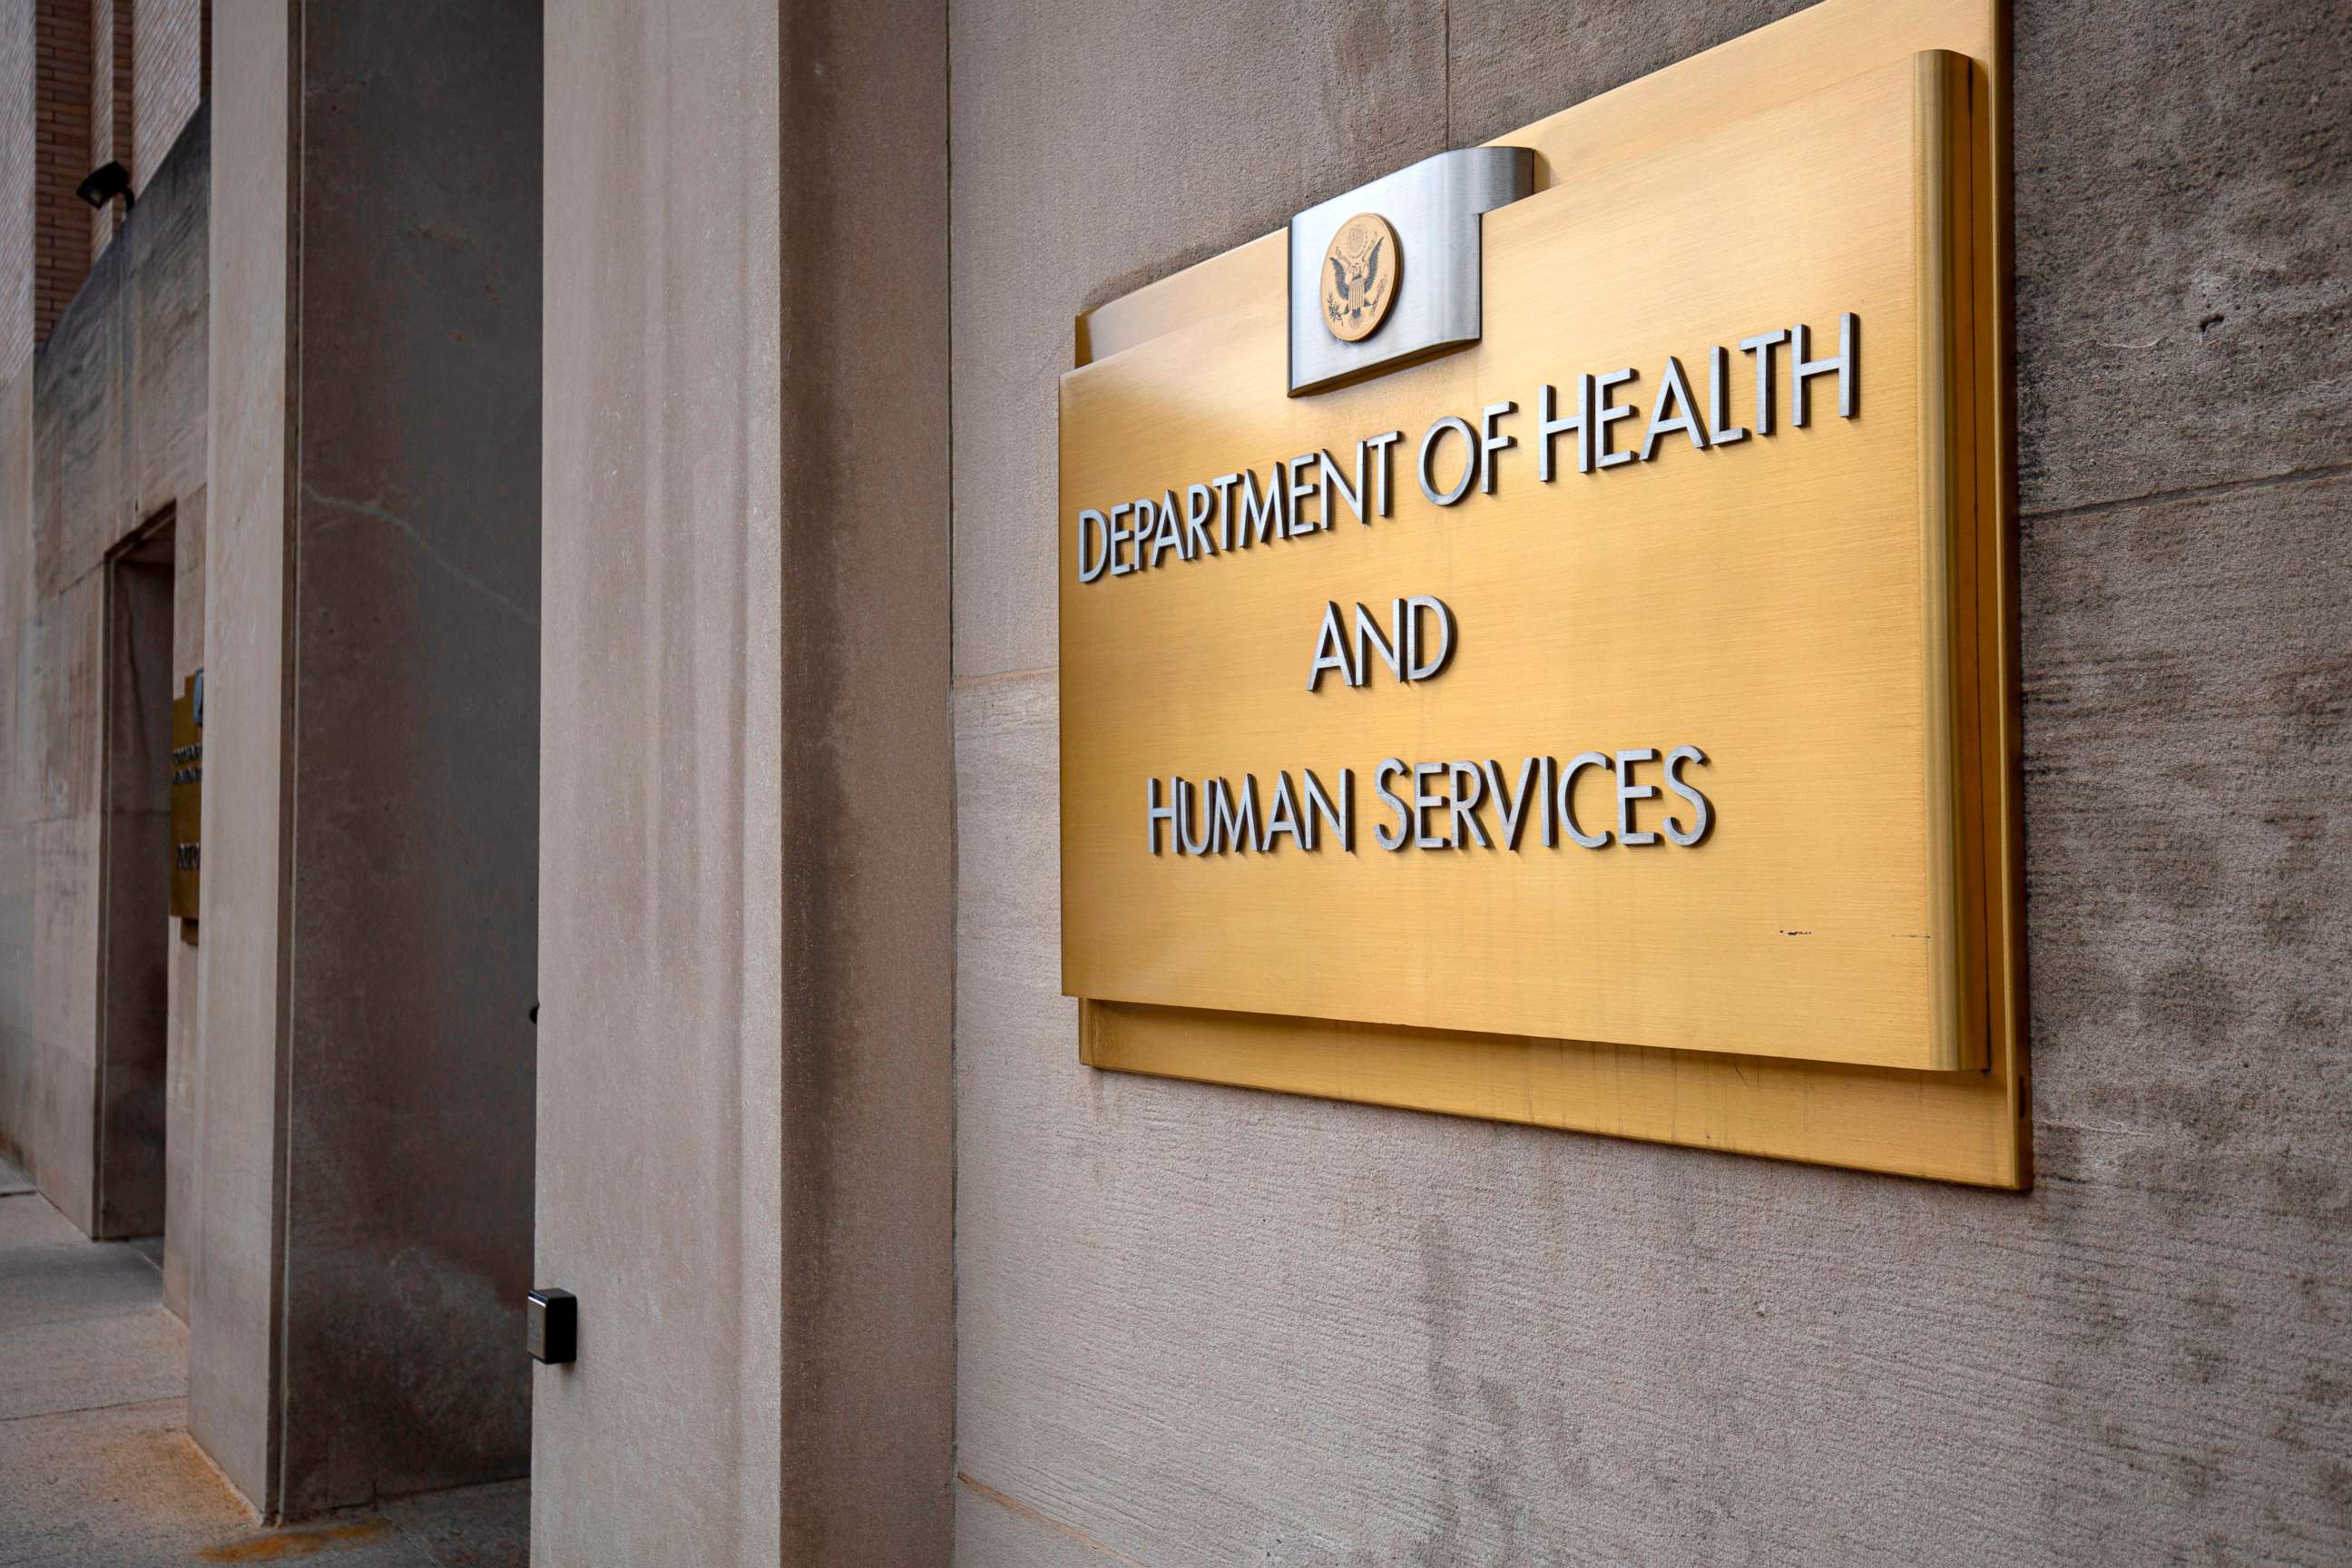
46,1095
100,390
413,779
17,763
80,434
65,650
867,757
183,1056
748,855
19,788
60,1070
660,1185
361,1196
2184,204
164,324
1095,151
992,1531
232,1310
2189,862
2183,198
1511,62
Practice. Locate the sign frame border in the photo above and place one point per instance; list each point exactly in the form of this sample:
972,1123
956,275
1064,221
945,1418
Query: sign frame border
1969,1127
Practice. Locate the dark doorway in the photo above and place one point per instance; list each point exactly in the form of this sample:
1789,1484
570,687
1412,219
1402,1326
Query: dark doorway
135,886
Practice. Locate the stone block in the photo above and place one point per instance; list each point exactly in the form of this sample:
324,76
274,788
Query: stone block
64,938
1093,154
165,323
65,741
992,1531
659,1194
46,1104
233,1310
2183,197
80,431
1512,62
2187,680
412,785
2184,204
17,884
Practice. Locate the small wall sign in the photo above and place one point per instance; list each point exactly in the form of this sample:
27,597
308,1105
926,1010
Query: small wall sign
187,794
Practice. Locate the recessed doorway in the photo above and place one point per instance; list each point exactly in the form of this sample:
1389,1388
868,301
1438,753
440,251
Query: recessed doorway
135,849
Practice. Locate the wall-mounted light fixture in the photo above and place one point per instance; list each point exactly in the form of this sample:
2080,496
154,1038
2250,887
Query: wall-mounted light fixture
105,182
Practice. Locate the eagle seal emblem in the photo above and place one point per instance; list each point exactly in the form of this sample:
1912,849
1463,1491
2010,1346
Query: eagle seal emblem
1359,277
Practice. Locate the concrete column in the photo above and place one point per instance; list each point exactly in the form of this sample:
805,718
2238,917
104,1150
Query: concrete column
183,1051
369,904
745,925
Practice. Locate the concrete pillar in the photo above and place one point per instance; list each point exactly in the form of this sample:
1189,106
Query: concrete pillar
370,885
183,1051
746,917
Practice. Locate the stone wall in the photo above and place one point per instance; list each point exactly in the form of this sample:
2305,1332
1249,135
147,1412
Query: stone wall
183,1051
113,109
173,41
114,405
234,1308
370,896
745,1086
19,189
1202,1325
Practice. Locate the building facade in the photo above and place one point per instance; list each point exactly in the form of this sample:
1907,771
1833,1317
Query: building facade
606,465
342,1190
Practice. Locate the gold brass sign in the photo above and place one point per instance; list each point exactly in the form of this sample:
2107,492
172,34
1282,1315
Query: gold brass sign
187,794
1608,724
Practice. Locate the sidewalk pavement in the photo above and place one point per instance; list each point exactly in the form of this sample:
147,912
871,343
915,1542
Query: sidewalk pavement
96,1467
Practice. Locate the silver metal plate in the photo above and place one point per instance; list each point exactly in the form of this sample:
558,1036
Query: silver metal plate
1434,206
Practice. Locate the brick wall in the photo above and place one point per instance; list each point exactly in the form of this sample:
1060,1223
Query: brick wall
170,68
74,92
112,121
60,239
16,188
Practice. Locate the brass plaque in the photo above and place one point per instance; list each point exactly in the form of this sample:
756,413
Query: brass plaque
187,794
1633,681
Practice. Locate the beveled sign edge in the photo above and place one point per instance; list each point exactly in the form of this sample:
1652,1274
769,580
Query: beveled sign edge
1968,1127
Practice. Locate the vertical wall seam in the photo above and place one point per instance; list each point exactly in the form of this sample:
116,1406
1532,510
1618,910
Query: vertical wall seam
954,823
288,729
107,611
